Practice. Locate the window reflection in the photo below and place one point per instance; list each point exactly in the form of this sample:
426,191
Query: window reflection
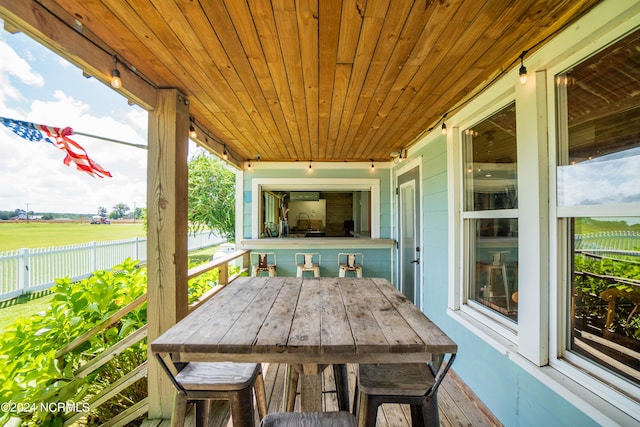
490,163
599,164
494,264
605,292
490,189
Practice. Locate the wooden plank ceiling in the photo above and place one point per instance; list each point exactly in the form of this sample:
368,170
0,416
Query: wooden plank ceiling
291,80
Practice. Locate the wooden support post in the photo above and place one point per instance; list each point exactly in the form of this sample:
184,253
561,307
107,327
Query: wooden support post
166,233
223,274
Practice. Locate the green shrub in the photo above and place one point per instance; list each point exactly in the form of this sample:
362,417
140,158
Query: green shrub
32,377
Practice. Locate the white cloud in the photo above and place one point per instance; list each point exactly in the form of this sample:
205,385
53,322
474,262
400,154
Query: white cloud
34,172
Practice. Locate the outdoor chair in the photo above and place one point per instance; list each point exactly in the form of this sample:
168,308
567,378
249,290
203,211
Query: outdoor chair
310,262
415,384
203,382
349,262
264,264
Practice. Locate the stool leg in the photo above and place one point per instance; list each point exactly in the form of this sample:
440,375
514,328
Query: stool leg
359,272
290,387
340,375
261,396
179,409
367,410
506,285
203,412
241,403
430,413
418,416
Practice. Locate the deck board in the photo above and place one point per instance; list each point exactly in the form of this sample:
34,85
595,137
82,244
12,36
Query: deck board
458,405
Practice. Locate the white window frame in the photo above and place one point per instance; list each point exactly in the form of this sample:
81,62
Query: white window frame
587,373
315,184
458,298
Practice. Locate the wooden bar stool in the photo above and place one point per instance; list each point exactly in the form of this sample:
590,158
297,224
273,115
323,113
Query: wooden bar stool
309,419
203,382
415,384
263,263
495,269
349,262
310,262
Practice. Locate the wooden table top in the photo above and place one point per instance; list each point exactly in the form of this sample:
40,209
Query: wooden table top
306,320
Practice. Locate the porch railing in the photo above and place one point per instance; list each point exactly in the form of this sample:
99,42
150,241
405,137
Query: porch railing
610,244
30,270
139,408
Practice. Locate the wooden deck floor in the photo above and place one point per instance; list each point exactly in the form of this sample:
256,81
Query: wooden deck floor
458,406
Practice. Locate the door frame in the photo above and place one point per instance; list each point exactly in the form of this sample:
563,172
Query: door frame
419,286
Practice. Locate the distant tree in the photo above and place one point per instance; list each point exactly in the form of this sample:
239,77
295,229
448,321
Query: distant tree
137,213
47,216
211,195
102,211
119,211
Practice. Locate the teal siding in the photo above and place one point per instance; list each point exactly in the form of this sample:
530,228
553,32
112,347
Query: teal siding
512,394
377,262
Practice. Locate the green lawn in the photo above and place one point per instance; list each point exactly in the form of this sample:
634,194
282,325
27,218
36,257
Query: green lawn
41,235
27,305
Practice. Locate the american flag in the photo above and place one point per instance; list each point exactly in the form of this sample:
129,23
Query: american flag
58,138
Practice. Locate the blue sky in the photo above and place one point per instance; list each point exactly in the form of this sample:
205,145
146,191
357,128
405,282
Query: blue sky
38,86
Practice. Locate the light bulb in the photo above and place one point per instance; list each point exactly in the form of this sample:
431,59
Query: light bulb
116,81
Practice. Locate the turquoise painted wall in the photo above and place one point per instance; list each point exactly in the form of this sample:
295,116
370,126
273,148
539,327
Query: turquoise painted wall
511,393
377,262
383,175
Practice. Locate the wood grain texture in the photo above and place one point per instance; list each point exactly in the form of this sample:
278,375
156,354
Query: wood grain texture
288,80
309,322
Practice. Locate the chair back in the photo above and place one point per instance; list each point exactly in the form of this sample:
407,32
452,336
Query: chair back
308,260
262,261
351,260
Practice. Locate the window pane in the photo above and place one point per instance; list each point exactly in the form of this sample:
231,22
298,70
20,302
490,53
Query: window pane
599,164
605,289
599,106
493,275
490,166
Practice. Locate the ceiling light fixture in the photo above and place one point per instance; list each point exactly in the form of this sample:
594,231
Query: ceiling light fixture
192,130
249,165
225,155
523,70
116,81
444,125
310,169
373,167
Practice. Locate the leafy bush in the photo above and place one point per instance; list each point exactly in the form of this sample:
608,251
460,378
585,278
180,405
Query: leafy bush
31,375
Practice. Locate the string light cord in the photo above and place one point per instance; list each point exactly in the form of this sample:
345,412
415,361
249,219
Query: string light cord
111,55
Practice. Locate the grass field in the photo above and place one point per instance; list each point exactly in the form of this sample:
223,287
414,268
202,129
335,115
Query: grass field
27,305
16,235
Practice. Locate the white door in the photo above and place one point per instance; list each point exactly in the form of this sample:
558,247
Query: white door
409,235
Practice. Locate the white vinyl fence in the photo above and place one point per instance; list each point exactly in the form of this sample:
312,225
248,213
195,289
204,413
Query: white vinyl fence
30,270
609,244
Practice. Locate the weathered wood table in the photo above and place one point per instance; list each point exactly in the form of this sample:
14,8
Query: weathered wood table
307,321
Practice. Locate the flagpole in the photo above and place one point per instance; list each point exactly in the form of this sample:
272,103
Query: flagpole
144,147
